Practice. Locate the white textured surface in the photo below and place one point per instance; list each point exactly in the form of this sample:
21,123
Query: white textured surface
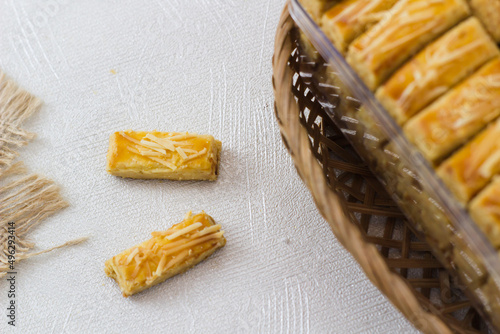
201,66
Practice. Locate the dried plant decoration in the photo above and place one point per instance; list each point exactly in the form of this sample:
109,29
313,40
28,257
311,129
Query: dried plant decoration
25,199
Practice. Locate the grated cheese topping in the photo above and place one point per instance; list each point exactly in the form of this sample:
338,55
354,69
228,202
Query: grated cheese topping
360,11
181,136
484,154
482,101
161,149
174,261
132,255
436,62
194,242
416,17
167,144
183,231
490,165
169,248
181,153
493,209
165,163
154,152
151,144
196,155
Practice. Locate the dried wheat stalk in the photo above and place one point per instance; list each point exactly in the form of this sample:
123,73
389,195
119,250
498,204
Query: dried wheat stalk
25,199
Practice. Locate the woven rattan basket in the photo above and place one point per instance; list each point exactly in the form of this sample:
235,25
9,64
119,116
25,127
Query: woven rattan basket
360,213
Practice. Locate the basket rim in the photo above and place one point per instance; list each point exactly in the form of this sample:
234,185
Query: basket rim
295,137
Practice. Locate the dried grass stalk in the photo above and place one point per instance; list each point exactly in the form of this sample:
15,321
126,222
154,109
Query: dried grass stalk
25,199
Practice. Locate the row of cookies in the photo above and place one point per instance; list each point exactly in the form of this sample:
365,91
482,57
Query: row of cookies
345,20
435,67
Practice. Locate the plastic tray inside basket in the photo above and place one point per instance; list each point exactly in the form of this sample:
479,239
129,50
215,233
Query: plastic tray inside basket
456,240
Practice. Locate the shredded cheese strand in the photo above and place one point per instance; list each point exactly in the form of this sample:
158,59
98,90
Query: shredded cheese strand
195,242
178,259
194,156
135,141
193,236
488,166
208,230
181,153
481,149
181,136
151,144
161,265
401,20
183,231
164,162
132,255
147,153
162,142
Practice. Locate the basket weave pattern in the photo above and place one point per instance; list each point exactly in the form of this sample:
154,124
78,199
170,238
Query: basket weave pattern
360,213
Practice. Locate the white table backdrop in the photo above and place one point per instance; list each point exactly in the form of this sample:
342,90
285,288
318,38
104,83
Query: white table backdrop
201,66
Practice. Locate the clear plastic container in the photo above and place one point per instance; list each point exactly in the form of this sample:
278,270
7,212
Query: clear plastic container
429,206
